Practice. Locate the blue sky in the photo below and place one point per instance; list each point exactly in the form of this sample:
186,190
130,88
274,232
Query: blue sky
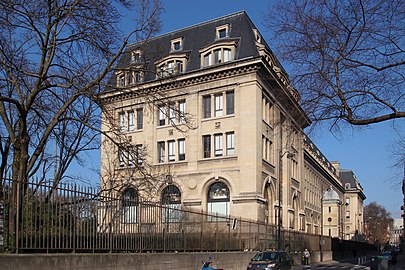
364,151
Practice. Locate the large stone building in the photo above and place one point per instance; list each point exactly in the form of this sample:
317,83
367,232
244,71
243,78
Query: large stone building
210,111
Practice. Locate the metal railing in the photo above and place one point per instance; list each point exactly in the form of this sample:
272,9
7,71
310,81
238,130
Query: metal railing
38,217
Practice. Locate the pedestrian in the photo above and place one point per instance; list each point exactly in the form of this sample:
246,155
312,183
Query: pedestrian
306,256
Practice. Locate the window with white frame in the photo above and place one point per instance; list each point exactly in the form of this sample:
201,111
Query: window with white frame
121,79
219,107
162,115
121,119
230,143
218,202
218,144
182,111
182,149
122,157
139,154
171,145
131,156
172,113
131,123
222,31
171,66
177,44
161,152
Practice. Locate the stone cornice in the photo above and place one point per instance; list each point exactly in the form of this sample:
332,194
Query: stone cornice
203,75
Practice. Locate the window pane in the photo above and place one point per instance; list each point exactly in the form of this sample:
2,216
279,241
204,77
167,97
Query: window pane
207,60
218,145
179,66
121,117
218,105
227,55
131,156
131,124
230,144
207,146
161,152
121,157
182,111
139,154
217,56
172,153
207,106
139,119
172,113
230,103
222,33
162,115
182,149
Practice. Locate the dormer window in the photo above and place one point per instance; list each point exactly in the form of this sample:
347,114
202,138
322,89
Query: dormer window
177,44
121,79
222,31
171,65
218,53
136,57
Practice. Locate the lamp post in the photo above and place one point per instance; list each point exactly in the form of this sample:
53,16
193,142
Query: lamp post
280,175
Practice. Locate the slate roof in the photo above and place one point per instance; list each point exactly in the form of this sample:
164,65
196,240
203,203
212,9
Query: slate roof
195,38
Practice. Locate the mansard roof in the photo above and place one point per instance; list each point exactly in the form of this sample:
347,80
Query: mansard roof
350,182
194,38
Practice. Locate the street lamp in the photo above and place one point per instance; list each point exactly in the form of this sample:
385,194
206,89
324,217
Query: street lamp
279,221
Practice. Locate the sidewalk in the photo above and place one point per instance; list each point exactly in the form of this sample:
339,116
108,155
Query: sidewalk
330,264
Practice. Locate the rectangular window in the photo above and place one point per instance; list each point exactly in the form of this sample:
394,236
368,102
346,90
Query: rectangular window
121,157
227,55
222,33
139,151
172,150
131,156
139,119
347,214
179,66
172,113
182,111
217,56
161,152
176,46
121,80
121,120
162,115
218,145
207,106
182,149
131,124
230,103
207,146
218,105
230,143
347,201
207,60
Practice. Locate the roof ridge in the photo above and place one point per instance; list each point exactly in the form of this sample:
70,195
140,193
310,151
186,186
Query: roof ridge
238,13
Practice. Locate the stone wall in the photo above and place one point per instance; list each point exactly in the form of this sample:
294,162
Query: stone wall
132,261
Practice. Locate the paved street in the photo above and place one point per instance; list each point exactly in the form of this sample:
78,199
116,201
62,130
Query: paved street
333,265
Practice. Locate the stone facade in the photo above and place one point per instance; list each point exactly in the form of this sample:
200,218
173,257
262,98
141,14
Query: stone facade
209,112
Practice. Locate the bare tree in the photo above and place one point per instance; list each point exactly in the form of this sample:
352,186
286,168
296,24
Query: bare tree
346,57
378,222
54,58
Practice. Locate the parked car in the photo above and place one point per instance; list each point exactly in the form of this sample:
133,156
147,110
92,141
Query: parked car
270,260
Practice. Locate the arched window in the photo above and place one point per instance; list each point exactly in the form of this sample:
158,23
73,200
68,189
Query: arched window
218,201
130,206
171,202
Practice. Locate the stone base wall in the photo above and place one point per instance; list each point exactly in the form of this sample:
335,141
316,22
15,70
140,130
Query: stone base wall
134,261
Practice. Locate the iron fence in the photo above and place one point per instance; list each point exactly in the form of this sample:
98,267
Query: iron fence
41,217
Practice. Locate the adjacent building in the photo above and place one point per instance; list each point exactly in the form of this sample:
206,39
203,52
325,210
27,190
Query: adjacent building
205,118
